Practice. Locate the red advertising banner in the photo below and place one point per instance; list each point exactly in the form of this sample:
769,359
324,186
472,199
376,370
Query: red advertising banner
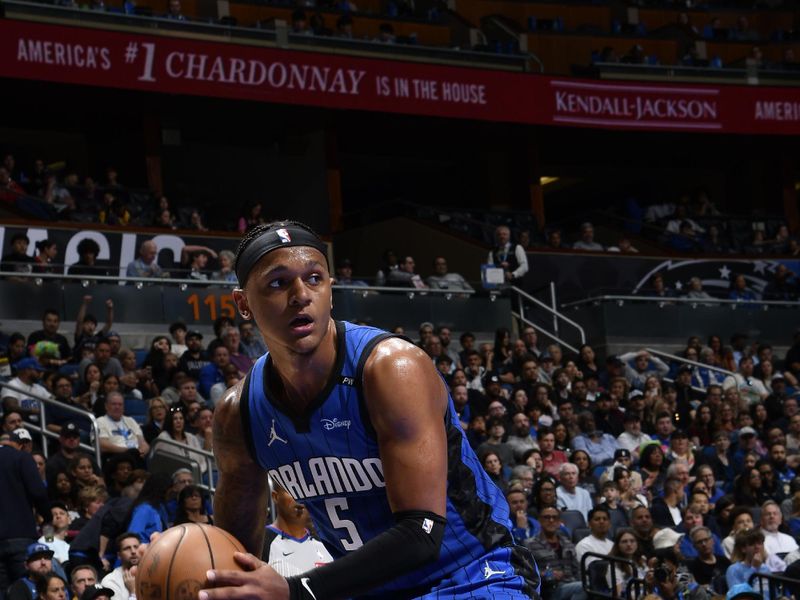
184,66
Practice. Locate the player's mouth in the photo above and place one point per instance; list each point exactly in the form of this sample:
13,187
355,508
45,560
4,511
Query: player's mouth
301,324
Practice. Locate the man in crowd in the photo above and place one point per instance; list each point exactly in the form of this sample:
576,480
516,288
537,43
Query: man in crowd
102,358
146,265
405,275
556,554
632,438
38,562
69,440
587,239
214,372
666,510
26,389
597,541
508,256
520,438
251,343
82,576
121,580
17,260
600,446
195,358
442,279
775,542
51,320
570,496
118,433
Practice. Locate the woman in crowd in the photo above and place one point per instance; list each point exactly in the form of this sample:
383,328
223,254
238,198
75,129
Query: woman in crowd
626,546
82,472
758,413
51,587
136,382
494,467
720,461
156,415
586,362
175,430
747,488
89,388
147,514
561,434
701,431
226,262
652,467
47,250
629,496
533,458
191,507
723,511
90,500
586,478
543,494
61,489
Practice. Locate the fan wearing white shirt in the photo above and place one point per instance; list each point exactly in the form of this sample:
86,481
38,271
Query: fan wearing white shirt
775,542
568,495
599,524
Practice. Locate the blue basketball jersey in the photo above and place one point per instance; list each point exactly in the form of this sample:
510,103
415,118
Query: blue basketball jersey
329,461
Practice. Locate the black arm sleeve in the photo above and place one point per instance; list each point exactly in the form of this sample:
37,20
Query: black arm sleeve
412,542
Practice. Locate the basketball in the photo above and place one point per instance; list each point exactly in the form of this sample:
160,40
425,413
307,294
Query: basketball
174,566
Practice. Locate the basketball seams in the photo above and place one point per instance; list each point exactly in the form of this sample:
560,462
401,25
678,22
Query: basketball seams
208,543
237,547
172,562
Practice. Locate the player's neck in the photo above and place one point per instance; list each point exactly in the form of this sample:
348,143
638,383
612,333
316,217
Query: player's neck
304,376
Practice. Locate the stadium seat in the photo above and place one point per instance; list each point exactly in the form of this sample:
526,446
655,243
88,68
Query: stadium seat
136,408
573,519
579,533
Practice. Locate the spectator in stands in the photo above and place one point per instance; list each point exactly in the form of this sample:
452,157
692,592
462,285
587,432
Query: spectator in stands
739,290
344,27
775,542
17,260
601,446
784,285
38,564
389,263
165,219
707,567
493,466
252,344
587,239
107,364
624,246
524,526
232,340
404,275
626,546
299,22
556,558
88,251
641,365
46,252
344,274
749,387
175,430
82,576
121,580
68,450
117,433
226,260
554,241
191,508
743,32
51,321
24,398
113,211
570,496
632,438
597,542
696,291
214,372
749,557
146,265
195,358
508,256
174,13
444,280
642,524
10,190
385,34
86,334
251,216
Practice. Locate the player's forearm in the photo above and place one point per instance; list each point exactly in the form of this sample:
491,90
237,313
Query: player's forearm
234,499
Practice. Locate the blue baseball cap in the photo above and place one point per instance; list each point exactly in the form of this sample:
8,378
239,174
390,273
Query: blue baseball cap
38,550
28,363
743,591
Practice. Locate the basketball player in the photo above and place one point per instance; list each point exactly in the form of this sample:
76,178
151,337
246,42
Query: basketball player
357,425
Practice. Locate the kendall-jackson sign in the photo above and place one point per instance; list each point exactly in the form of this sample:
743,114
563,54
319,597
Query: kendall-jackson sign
183,66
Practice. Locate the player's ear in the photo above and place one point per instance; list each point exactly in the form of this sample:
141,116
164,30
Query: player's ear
240,299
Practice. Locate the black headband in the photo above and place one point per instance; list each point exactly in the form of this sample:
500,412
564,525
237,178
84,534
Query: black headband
272,239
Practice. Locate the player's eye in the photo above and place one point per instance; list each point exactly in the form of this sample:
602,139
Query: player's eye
276,283
315,279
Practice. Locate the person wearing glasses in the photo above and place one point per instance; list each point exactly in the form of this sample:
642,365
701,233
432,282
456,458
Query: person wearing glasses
708,568
556,557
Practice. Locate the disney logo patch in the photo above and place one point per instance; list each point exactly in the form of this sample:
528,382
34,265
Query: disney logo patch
330,424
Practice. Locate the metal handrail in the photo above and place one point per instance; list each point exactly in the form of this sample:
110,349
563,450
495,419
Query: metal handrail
549,334
586,581
773,581
660,300
42,429
448,294
688,361
188,453
552,311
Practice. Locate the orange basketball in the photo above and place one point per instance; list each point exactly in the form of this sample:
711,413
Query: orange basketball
174,566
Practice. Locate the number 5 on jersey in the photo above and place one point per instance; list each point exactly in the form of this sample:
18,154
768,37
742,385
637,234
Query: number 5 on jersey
332,505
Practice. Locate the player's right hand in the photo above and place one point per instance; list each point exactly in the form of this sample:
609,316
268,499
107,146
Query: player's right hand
258,581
